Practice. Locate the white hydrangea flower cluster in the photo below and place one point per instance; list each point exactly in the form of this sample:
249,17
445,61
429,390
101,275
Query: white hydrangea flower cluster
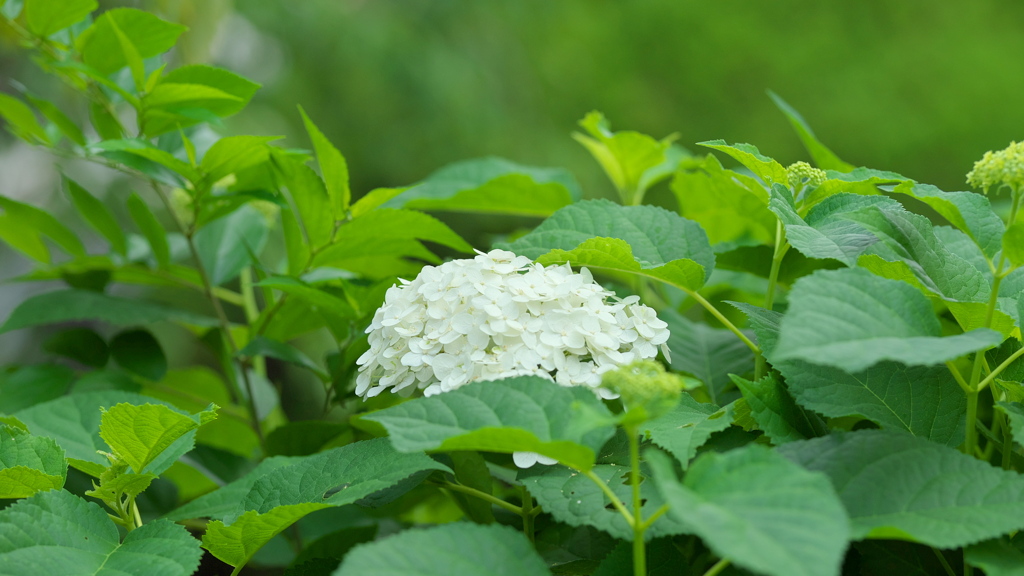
500,315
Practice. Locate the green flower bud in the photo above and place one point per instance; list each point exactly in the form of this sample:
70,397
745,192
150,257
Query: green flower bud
1002,168
645,388
801,173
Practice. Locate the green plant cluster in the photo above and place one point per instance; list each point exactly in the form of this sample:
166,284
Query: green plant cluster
845,393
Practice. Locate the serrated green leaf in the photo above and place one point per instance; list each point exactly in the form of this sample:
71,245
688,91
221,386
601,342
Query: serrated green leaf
852,319
310,197
138,352
687,427
27,386
765,168
44,223
791,520
576,500
116,483
485,185
764,323
996,558
80,539
29,464
823,157
923,400
709,354
862,181
99,45
98,216
971,213
150,228
234,153
776,413
897,486
227,244
1014,412
21,120
74,422
336,477
44,17
459,549
729,206
332,166
81,345
661,244
71,305
521,414
1013,244
140,433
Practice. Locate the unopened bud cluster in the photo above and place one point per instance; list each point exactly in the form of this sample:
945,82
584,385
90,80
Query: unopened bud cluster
500,315
802,173
645,385
1001,168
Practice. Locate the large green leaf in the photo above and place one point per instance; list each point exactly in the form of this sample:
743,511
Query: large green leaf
44,223
223,502
823,157
731,207
26,386
139,352
227,244
521,414
21,120
101,49
333,168
309,194
1013,244
776,413
898,486
192,88
758,510
44,17
144,149
58,533
491,185
574,499
997,557
687,427
852,319
138,434
971,213
922,400
29,464
709,354
75,305
633,161
459,549
98,216
644,240
74,422
332,478
234,153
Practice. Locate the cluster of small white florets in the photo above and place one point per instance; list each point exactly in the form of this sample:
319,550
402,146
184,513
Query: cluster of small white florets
500,315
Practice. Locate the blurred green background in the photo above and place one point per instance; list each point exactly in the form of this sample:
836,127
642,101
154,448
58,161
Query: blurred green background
404,87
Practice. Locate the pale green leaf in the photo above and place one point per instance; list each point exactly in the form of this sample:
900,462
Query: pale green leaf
614,255
131,56
44,17
852,319
312,203
44,223
790,521
633,161
863,181
776,413
823,157
139,433
151,228
99,45
1013,244
98,216
192,94
767,169
374,199
29,464
234,153
460,549
687,427
73,305
23,238
146,150
59,119
521,414
488,185
58,533
923,400
898,486
332,166
731,207
21,120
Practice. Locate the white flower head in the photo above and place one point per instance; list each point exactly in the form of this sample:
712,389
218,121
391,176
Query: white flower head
500,315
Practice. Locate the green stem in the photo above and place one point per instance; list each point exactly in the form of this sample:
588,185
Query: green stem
527,514
611,495
781,247
725,321
252,312
657,514
971,441
999,369
1007,449
718,567
639,551
958,377
944,562
481,495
